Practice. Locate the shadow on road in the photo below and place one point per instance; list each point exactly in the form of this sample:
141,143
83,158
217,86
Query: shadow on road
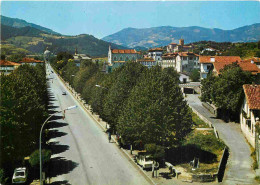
55,134
55,124
60,166
56,148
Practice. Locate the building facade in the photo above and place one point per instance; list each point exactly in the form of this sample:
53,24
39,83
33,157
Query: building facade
31,61
250,112
206,63
169,60
156,54
117,57
148,62
173,47
186,62
6,67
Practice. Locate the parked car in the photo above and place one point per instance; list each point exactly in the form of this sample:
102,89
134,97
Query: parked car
144,160
20,175
64,93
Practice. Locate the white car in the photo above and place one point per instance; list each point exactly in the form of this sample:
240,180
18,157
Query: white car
144,161
20,175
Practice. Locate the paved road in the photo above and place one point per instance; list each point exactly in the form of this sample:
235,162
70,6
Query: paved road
82,153
239,168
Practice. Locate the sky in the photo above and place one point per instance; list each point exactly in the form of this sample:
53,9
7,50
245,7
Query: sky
102,18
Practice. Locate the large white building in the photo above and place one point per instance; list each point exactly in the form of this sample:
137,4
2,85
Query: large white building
169,60
156,54
117,57
186,62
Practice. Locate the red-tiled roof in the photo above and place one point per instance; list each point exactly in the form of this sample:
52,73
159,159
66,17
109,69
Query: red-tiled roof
30,60
126,51
169,55
207,59
173,43
8,63
156,49
252,93
186,54
245,66
255,59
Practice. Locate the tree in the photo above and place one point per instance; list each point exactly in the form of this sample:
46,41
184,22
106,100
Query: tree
227,91
195,75
155,111
2,57
119,91
207,88
34,157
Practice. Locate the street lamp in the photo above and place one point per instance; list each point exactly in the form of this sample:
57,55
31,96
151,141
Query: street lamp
40,140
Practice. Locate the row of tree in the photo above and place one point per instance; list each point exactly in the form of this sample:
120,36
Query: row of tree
23,109
226,90
144,106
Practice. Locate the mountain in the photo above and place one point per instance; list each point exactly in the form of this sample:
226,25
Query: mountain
36,41
8,32
19,23
161,36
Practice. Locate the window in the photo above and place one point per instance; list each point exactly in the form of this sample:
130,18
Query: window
191,58
127,59
121,58
114,58
208,67
184,58
248,123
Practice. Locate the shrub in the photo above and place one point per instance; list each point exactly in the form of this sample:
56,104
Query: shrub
34,157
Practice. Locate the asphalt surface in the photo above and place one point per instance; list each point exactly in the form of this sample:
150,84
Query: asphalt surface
82,153
239,167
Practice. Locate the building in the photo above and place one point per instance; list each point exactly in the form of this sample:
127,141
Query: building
156,54
148,62
206,63
170,47
169,60
250,111
186,62
6,67
79,57
245,66
31,61
255,60
117,57
173,47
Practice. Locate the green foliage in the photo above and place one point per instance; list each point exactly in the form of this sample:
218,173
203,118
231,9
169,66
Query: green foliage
16,57
157,152
23,110
228,88
35,156
65,56
2,57
155,111
207,141
119,91
195,75
198,122
207,88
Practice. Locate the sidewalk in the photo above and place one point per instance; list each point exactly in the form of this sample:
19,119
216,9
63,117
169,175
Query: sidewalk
239,167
